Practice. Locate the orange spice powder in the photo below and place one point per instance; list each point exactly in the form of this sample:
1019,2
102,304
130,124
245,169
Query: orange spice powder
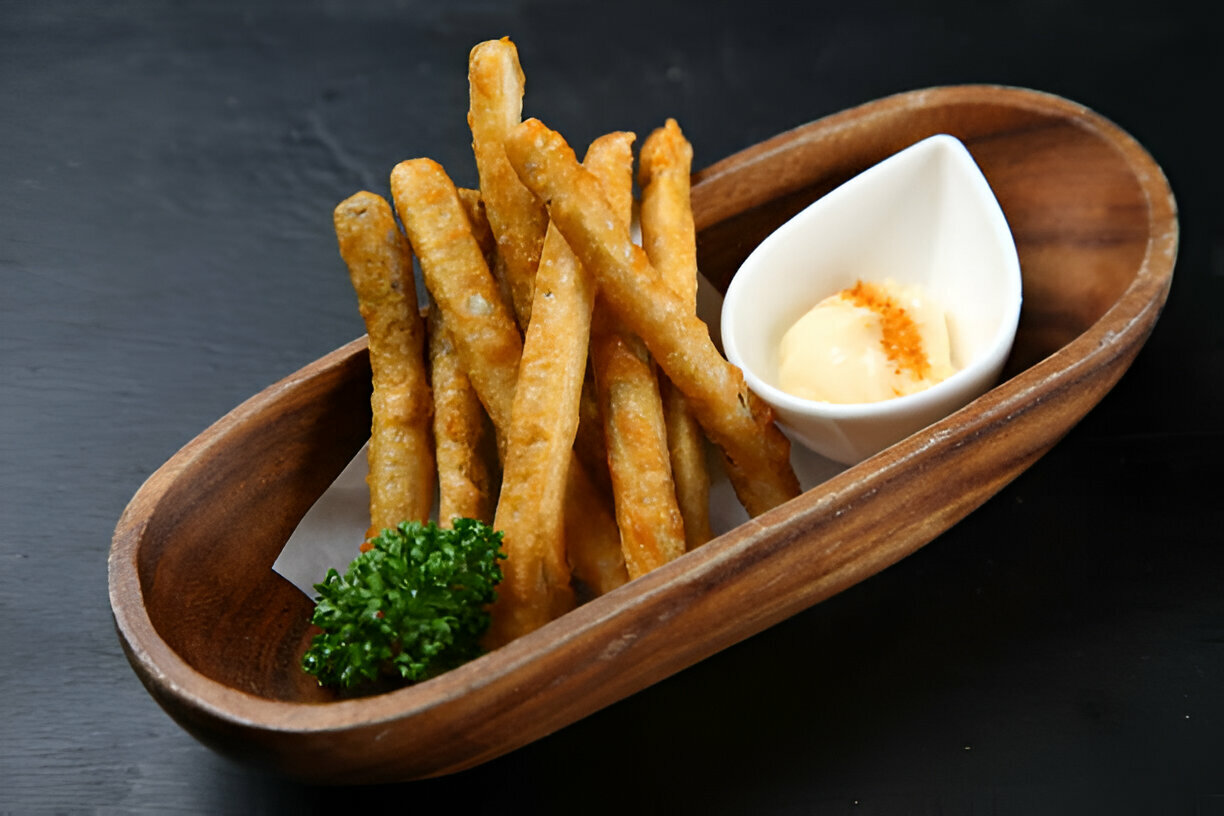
901,341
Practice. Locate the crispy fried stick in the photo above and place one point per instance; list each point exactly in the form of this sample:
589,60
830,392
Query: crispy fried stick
651,528
459,429
757,453
536,587
669,238
518,220
401,462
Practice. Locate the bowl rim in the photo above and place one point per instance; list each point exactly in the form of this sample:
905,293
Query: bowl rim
169,678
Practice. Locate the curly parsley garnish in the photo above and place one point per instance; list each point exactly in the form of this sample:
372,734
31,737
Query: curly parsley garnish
414,604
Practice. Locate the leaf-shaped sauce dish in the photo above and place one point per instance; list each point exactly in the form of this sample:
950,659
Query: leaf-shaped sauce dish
924,217
216,635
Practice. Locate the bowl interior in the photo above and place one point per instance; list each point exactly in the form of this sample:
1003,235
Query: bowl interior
206,553
924,217
203,556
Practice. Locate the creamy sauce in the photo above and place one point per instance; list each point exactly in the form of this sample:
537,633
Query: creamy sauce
871,342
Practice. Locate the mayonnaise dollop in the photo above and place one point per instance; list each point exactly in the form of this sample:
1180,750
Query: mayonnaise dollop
871,342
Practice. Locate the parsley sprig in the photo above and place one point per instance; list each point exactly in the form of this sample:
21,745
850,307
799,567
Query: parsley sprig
415,604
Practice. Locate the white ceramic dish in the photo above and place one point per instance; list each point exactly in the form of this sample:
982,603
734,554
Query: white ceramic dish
925,216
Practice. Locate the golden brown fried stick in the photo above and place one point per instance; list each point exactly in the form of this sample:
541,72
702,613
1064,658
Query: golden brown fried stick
540,462
473,206
652,531
455,273
669,238
591,534
401,475
686,450
536,586
531,506
592,539
668,234
459,429
489,347
595,554
758,455
517,218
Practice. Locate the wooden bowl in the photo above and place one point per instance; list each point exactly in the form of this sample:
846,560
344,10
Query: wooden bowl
216,636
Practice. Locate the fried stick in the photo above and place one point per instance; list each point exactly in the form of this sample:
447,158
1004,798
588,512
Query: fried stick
757,453
473,206
457,277
531,508
401,462
651,528
536,585
517,218
669,238
459,428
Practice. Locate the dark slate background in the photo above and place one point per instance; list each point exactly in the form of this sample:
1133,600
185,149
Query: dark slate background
167,174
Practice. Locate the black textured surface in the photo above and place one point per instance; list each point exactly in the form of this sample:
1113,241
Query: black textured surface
167,175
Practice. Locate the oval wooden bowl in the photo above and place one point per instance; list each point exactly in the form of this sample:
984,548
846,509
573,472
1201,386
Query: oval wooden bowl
216,636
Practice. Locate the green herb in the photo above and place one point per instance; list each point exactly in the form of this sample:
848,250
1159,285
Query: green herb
414,605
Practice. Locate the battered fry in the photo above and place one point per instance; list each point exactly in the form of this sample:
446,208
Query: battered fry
669,238
486,339
758,455
651,528
459,430
517,218
531,508
401,462
536,586
478,218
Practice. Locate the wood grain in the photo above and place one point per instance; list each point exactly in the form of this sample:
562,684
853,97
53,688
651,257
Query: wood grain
214,635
